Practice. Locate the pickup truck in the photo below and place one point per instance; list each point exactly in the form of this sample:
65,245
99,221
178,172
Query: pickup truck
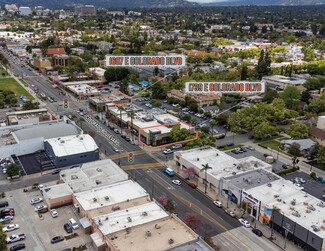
15,237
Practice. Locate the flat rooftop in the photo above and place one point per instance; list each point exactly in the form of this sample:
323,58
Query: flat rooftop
110,195
252,178
83,88
73,144
165,232
93,174
223,165
45,130
57,191
284,80
308,211
84,82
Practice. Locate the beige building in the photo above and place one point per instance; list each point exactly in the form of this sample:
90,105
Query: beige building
97,73
42,63
28,117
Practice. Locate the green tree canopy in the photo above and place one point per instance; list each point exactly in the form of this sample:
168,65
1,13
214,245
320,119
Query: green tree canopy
291,96
298,131
12,170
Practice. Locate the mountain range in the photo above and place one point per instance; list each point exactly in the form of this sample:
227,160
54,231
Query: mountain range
155,3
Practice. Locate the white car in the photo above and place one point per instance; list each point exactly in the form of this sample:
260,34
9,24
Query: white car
300,186
217,203
176,146
35,201
54,213
40,208
10,228
176,182
168,151
245,223
6,218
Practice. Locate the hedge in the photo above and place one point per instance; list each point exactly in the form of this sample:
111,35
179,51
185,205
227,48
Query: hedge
287,171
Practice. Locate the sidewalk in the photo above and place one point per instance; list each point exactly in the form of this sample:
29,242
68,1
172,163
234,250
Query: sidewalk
211,194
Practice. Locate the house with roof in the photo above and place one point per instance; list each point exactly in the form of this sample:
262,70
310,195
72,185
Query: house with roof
145,83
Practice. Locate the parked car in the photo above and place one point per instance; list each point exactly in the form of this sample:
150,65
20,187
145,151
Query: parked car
176,146
235,151
245,223
220,136
57,239
7,211
56,171
230,144
4,204
73,224
10,228
35,201
192,185
116,131
266,155
6,218
284,166
38,208
54,213
231,213
67,228
167,151
15,237
257,232
176,182
251,148
217,203
18,247
251,137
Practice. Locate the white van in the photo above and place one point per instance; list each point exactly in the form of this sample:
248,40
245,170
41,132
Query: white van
73,223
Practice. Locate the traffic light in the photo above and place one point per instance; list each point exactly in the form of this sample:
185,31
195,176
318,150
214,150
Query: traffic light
130,157
66,103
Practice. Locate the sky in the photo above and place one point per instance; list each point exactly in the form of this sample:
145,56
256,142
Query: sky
206,1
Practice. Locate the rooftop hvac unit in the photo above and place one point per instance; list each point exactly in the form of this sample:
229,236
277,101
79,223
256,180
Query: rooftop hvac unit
144,213
311,207
293,202
94,199
148,233
171,241
269,184
129,219
106,198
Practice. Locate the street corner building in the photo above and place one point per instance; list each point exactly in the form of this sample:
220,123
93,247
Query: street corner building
70,150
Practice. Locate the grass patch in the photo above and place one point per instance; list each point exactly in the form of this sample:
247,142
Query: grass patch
230,147
3,71
267,139
12,85
273,144
24,82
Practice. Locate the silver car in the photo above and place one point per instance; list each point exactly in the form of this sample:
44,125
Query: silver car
35,201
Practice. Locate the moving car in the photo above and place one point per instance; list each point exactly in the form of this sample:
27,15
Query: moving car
57,239
217,203
116,131
18,247
67,228
245,223
176,182
167,151
10,228
257,232
116,150
54,213
35,201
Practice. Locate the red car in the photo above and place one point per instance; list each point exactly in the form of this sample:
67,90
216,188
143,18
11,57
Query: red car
192,185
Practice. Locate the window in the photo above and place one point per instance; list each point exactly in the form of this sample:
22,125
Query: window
81,156
312,240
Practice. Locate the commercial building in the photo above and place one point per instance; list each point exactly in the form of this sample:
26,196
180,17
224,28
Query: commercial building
222,165
41,64
87,10
82,90
155,124
97,73
299,216
29,138
70,150
98,103
25,11
118,98
317,135
280,82
28,117
203,100
321,122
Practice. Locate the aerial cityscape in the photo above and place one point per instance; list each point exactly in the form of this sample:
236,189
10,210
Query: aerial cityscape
172,125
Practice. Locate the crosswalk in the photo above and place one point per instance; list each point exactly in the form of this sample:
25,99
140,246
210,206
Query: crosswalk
122,155
141,166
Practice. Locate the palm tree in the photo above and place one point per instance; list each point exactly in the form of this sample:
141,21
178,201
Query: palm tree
132,116
274,209
120,108
205,168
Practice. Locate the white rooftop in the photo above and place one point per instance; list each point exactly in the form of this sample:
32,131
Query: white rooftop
282,192
110,195
93,174
97,70
57,191
83,88
138,215
73,144
222,165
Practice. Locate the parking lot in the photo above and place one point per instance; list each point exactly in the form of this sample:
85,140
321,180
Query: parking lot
313,187
40,231
276,166
35,163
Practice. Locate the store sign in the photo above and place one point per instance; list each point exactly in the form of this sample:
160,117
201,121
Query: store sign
250,198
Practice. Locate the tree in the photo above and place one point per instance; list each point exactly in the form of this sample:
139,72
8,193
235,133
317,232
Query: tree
270,95
205,129
3,237
321,155
314,28
264,129
163,200
12,170
298,131
178,134
213,123
305,96
264,29
120,108
291,96
156,71
169,206
316,107
193,119
186,117
294,149
314,149
205,168
192,220
243,74
222,119
116,73
190,172
29,105
124,86
13,101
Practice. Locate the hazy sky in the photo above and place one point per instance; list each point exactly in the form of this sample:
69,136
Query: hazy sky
206,1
